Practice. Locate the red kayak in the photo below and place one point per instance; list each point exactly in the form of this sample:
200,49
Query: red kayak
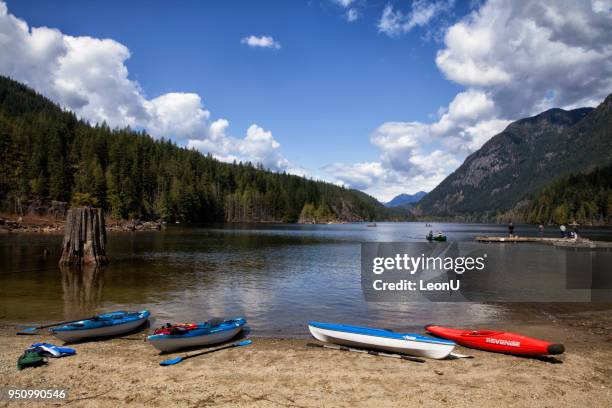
497,341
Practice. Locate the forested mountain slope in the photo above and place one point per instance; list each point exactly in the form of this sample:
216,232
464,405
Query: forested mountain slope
48,154
584,198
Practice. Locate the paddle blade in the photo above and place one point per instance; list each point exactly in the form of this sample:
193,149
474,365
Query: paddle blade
171,361
179,359
29,330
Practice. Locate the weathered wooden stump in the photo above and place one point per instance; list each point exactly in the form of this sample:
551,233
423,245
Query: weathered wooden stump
84,237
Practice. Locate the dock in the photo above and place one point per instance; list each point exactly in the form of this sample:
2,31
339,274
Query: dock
565,242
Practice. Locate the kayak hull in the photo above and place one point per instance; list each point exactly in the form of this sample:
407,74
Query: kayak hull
86,329
361,337
200,337
497,341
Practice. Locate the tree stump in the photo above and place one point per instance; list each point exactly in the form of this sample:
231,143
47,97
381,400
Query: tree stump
84,237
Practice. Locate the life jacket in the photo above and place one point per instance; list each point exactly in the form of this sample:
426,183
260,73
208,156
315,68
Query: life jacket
179,328
51,350
30,358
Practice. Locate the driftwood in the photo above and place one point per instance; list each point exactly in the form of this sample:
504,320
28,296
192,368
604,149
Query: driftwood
84,237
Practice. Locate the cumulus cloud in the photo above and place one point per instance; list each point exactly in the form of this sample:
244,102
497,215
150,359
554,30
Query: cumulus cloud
532,55
417,156
258,146
515,59
177,114
89,76
409,161
394,22
263,41
361,176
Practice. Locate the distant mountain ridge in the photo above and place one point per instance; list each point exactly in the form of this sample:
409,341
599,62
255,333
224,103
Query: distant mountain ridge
523,159
404,199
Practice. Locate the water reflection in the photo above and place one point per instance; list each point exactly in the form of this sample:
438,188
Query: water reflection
278,276
81,289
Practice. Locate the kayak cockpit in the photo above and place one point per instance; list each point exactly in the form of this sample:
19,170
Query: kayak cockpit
476,333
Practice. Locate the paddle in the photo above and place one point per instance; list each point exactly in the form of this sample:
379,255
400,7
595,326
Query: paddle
370,352
179,359
32,330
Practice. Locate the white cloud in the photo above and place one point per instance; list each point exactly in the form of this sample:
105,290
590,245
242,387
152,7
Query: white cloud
515,59
409,162
263,41
377,179
352,15
357,175
344,3
89,76
394,22
417,156
532,55
179,114
258,146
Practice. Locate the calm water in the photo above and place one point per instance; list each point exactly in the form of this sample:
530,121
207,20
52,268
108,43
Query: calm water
278,276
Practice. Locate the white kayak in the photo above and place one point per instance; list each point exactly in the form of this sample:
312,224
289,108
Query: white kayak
364,337
109,324
184,335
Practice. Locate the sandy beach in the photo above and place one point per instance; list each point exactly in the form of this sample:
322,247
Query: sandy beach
284,372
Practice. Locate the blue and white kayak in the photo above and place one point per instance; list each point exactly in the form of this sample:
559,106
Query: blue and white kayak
109,324
364,337
196,335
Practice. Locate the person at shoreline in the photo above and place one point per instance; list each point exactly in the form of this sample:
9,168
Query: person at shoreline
511,229
541,230
574,226
562,228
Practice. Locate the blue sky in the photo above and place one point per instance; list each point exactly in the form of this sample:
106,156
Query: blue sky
386,103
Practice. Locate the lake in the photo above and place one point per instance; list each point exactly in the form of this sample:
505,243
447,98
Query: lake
277,276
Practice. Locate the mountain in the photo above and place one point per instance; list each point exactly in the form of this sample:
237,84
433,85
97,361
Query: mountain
527,156
405,199
48,156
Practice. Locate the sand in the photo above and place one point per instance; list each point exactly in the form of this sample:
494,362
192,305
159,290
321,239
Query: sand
284,372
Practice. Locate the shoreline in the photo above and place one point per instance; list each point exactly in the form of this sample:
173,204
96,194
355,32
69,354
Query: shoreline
41,224
274,372
46,224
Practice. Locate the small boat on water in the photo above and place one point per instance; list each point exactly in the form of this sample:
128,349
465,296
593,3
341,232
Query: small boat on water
178,336
372,225
363,337
439,238
109,324
498,341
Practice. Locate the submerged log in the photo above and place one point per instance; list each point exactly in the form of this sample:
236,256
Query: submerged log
84,237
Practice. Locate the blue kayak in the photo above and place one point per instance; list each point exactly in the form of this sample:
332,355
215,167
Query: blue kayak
109,324
174,337
365,337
